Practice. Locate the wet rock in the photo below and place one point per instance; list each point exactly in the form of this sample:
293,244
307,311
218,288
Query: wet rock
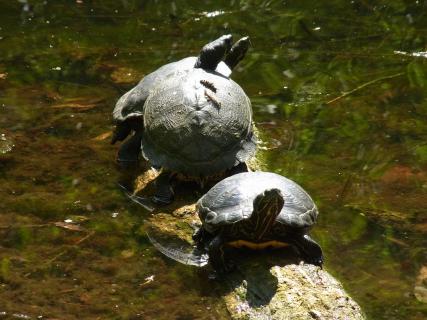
266,284
288,291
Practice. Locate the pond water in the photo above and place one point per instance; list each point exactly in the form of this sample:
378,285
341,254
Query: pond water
339,95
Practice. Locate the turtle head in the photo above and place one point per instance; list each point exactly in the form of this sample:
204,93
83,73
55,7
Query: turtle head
212,53
267,207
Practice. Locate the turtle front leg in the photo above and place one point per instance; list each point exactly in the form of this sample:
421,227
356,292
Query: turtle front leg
199,235
130,150
217,255
308,248
164,191
202,238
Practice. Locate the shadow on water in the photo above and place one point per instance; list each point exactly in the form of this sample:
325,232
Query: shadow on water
251,271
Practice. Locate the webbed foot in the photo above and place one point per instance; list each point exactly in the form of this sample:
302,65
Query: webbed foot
212,53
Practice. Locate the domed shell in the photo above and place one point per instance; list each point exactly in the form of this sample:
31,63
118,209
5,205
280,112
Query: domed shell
197,123
231,200
131,104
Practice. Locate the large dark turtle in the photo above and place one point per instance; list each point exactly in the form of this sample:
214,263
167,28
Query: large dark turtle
189,117
254,210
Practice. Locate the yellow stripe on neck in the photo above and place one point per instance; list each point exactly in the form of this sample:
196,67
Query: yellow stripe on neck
257,246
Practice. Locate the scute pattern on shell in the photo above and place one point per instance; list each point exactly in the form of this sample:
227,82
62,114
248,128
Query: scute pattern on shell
131,104
186,131
231,200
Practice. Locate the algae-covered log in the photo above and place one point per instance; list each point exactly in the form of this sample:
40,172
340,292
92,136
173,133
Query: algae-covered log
293,291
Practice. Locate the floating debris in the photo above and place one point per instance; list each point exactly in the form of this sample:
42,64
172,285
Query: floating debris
82,104
69,225
103,136
148,280
6,145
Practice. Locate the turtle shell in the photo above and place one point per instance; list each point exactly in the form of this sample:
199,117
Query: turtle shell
231,200
198,123
131,104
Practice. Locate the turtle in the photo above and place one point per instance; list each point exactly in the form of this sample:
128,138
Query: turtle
254,210
189,117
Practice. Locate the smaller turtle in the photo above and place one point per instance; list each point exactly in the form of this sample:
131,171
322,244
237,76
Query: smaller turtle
254,210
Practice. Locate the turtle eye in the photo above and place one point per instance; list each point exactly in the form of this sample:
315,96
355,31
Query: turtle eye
210,216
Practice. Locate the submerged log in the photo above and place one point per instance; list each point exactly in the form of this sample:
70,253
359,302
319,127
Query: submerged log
268,284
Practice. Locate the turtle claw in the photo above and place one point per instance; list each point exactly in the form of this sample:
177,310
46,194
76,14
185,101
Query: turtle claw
318,261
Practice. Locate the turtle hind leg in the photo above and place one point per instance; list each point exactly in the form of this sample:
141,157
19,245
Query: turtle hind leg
212,53
237,52
240,168
309,249
164,192
130,150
